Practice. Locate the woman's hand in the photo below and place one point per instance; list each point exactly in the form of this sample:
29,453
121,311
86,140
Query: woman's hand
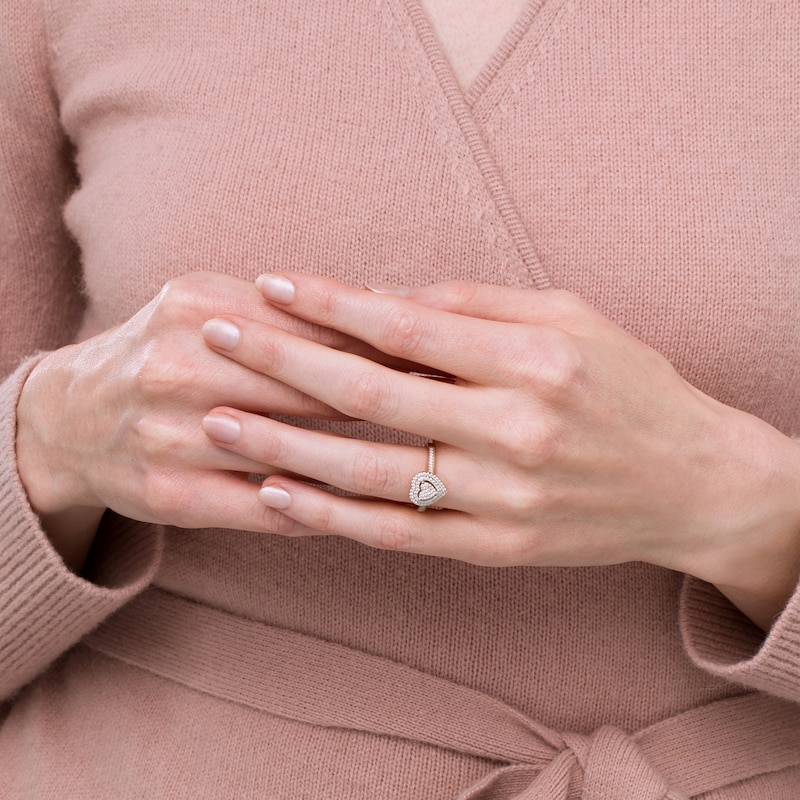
563,441
115,421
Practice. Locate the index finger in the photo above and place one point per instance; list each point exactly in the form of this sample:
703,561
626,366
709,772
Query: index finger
476,350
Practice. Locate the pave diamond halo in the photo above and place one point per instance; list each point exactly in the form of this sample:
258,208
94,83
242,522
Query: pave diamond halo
427,488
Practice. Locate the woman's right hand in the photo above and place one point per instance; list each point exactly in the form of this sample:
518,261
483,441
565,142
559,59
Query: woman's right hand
115,421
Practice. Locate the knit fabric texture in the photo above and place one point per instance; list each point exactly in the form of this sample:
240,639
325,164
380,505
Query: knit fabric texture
645,156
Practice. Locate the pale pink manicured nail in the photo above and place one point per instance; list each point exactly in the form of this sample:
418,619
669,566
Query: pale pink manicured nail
275,287
381,288
274,497
221,333
222,427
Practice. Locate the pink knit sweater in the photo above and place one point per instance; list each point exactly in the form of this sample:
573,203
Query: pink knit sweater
643,155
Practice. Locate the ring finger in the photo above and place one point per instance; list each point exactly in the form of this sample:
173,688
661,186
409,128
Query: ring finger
364,468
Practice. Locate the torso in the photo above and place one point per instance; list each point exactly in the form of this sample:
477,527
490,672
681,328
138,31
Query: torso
644,158
622,153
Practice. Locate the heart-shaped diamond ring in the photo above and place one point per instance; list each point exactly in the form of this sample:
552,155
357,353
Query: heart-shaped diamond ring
427,487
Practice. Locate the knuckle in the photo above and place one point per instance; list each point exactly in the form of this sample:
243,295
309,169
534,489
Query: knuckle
176,296
155,436
159,375
456,293
539,443
557,366
563,305
404,331
529,443
275,522
521,546
166,496
502,546
366,395
328,304
510,547
271,353
394,533
512,543
323,518
268,447
371,474
523,500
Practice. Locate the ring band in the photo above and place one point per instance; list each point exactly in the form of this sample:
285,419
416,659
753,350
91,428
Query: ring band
426,487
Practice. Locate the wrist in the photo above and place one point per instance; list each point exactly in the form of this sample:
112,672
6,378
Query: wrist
36,460
754,555
67,513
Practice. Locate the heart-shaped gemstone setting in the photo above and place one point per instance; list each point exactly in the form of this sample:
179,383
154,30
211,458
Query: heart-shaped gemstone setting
426,489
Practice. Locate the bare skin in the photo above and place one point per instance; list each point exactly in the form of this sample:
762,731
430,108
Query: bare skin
695,486
88,377
600,453
574,443
470,31
114,422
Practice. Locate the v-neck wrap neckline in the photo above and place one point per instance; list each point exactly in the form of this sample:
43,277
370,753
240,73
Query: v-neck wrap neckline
467,109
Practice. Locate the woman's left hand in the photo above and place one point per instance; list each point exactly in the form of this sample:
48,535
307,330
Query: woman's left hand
563,441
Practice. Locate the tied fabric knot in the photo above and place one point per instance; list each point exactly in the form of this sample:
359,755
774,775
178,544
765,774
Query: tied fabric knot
607,765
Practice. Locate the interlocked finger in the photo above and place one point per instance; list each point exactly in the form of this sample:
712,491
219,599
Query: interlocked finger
355,386
168,439
364,468
216,499
445,341
389,526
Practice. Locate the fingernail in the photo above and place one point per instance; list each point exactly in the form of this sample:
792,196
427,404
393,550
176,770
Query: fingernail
381,288
221,333
274,497
222,427
275,287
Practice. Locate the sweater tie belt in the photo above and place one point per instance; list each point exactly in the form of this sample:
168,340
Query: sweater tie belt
607,764
278,671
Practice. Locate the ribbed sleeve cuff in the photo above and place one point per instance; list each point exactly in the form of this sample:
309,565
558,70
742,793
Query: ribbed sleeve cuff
722,641
44,607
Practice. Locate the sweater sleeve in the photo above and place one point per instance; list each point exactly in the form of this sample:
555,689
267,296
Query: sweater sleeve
44,607
722,641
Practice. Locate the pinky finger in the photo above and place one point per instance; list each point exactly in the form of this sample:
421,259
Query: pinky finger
235,506
380,524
